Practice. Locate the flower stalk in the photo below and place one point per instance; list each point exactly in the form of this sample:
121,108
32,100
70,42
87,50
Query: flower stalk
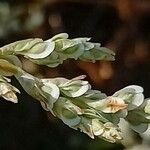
73,100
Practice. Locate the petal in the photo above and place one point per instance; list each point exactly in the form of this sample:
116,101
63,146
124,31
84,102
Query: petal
51,89
86,127
10,96
71,122
113,105
58,36
129,89
81,91
133,95
97,127
137,101
81,77
48,49
138,89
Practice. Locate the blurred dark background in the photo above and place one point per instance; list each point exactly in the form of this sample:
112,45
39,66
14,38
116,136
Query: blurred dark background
121,25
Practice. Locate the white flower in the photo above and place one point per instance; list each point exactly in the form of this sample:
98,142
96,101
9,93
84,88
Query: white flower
107,131
129,97
85,126
132,95
72,88
67,111
7,91
41,89
109,105
111,133
75,87
97,127
51,93
41,50
51,89
114,104
94,127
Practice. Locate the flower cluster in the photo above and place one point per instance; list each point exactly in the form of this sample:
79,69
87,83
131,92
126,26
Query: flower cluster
57,49
73,101
68,100
80,107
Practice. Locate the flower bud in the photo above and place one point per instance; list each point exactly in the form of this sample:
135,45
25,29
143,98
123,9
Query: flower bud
7,91
111,133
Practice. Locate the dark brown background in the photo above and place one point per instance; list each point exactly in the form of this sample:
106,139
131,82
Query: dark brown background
121,25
